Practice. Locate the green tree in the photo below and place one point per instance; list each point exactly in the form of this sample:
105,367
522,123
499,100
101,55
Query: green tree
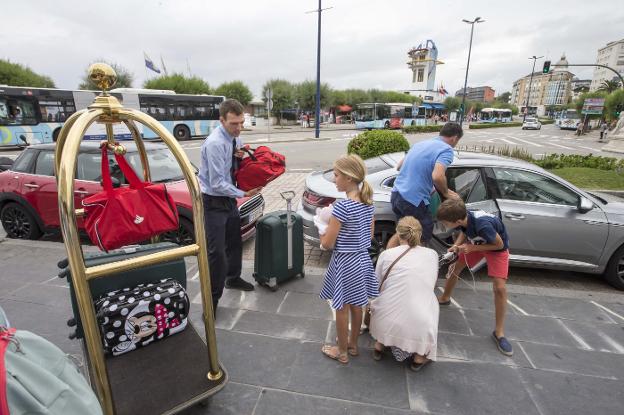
452,103
504,97
180,84
235,89
394,96
357,96
609,86
283,95
305,95
614,104
15,74
125,78
338,97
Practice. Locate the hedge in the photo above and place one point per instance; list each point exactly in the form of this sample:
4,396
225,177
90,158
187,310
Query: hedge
558,161
421,128
494,125
547,121
377,142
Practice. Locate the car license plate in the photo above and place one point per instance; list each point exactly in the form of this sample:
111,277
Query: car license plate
254,215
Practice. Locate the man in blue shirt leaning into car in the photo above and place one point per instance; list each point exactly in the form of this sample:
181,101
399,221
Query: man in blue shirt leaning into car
219,157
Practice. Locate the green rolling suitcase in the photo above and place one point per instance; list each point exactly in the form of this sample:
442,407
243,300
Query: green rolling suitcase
279,246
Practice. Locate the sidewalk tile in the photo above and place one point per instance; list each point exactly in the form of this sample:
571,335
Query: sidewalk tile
468,299
275,402
478,349
570,360
305,305
310,284
50,295
452,321
468,388
533,329
226,317
365,341
361,380
601,337
557,393
234,399
278,325
566,308
257,360
260,299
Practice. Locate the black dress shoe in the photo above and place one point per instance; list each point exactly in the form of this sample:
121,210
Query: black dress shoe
239,284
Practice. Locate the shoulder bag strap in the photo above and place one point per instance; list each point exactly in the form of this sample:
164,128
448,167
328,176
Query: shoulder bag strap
250,151
392,265
107,183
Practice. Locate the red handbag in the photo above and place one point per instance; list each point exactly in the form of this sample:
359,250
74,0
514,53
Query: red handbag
129,214
261,167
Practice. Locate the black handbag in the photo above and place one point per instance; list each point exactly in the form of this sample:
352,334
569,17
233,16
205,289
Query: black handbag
135,317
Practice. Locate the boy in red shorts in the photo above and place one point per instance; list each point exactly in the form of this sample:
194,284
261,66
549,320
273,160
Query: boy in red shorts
482,236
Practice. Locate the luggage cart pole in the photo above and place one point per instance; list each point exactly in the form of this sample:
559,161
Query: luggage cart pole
288,196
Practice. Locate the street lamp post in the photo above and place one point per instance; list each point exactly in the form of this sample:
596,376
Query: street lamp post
471,23
526,106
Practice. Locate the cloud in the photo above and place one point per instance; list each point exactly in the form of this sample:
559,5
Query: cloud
364,43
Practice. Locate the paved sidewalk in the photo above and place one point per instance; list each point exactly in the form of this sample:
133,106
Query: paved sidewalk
569,351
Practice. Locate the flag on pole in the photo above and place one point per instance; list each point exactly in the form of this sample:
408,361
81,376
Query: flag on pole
162,63
149,64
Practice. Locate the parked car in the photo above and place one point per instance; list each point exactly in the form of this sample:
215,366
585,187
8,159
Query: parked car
531,124
28,192
551,223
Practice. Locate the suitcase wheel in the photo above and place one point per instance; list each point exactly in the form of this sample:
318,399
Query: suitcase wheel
273,287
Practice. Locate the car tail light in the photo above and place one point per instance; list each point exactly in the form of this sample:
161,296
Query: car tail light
317,200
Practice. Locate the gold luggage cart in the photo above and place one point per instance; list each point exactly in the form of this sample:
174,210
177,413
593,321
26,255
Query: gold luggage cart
175,373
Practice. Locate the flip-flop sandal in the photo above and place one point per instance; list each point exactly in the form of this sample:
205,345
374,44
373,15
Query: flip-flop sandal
342,358
444,302
353,351
377,354
417,367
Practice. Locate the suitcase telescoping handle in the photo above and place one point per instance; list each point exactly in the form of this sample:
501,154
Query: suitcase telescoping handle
288,196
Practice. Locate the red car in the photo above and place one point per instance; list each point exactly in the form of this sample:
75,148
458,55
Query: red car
28,193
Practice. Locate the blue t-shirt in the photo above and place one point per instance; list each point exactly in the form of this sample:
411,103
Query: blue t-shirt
414,181
483,227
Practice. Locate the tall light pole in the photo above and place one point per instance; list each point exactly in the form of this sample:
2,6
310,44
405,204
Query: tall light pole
471,23
526,106
317,119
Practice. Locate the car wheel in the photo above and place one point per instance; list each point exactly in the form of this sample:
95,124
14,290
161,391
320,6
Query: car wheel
18,222
185,235
615,270
181,133
383,233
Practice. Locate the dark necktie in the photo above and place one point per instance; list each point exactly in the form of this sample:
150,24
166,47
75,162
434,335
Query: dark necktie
234,162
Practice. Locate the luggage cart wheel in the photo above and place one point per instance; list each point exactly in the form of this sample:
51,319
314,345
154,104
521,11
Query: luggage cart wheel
273,287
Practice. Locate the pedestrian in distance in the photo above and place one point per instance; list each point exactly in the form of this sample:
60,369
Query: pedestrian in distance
220,153
603,129
421,171
350,278
482,236
405,315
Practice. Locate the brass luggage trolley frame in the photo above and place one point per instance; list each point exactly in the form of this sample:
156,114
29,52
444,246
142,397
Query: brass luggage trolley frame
107,110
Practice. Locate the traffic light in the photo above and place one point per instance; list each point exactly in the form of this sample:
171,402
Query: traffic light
546,68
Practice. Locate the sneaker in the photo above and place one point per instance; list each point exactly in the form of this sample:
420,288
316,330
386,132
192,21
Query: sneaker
503,345
239,284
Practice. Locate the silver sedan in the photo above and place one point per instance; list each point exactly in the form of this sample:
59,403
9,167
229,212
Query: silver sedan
550,222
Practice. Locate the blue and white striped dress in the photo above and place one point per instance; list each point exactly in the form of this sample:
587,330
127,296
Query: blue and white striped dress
350,277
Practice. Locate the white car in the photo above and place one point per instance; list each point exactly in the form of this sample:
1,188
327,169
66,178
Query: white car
531,124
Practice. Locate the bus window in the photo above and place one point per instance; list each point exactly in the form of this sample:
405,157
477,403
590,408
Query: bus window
4,112
21,111
56,110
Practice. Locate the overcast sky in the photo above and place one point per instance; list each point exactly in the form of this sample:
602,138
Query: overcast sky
364,43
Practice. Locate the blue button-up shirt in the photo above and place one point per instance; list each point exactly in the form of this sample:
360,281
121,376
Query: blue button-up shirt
216,163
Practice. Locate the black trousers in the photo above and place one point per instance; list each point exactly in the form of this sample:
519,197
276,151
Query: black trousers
223,236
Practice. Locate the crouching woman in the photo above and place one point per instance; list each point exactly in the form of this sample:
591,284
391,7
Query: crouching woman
405,315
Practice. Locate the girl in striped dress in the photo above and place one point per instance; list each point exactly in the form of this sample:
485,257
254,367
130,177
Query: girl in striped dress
350,279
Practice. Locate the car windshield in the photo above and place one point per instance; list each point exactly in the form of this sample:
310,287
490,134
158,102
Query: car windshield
373,165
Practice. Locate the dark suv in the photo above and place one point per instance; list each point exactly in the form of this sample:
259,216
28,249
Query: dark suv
28,192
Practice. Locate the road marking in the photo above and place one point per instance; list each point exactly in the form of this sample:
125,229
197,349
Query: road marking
303,170
527,355
575,336
507,141
589,148
615,345
190,147
559,145
607,310
521,311
527,142
455,303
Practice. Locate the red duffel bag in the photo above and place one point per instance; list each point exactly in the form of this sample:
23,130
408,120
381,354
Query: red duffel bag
262,166
128,214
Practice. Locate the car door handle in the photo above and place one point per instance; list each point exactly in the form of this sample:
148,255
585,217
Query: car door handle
31,186
81,192
514,216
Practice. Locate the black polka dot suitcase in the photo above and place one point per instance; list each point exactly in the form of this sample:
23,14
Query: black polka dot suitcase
130,318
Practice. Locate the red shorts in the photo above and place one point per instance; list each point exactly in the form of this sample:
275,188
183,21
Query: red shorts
497,262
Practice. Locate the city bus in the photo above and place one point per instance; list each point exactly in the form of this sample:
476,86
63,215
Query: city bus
567,119
36,115
384,115
492,115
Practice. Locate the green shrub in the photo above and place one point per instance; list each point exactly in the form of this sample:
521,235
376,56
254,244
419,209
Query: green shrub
559,161
546,121
410,129
494,125
377,142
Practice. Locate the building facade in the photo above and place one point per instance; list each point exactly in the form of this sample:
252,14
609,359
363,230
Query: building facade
579,86
554,88
612,55
422,62
479,93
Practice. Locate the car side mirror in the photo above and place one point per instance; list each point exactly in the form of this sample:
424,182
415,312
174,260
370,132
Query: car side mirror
585,205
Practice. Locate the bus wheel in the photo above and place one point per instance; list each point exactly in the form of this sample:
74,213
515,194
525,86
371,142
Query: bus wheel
181,132
55,134
387,125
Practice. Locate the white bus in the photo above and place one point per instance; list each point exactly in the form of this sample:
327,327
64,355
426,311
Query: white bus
567,119
493,115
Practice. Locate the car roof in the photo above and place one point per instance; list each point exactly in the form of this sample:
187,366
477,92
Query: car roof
88,146
472,158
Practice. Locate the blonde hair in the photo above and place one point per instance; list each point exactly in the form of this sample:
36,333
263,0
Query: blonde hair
353,166
409,230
